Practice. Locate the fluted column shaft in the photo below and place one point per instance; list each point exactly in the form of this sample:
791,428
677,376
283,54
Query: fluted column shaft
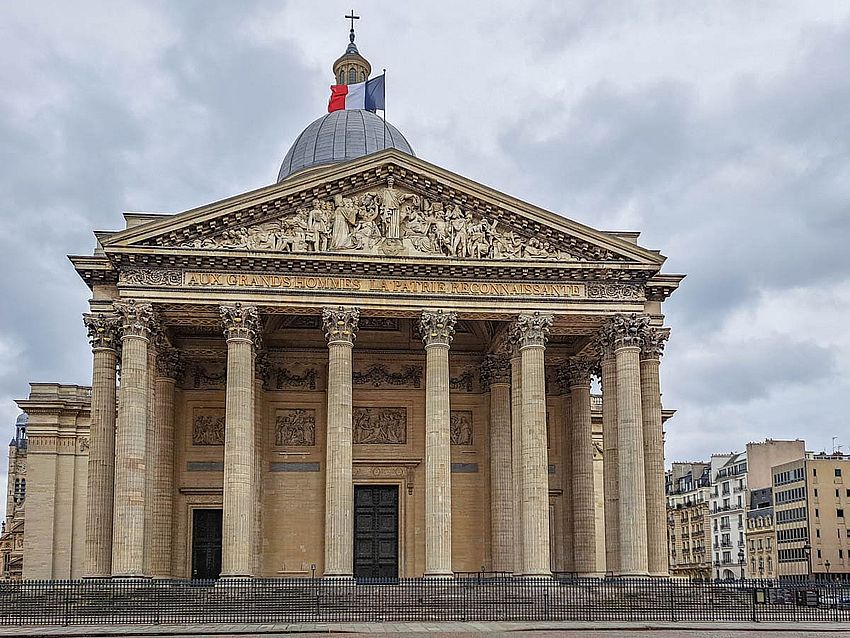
437,330
516,460
103,333
632,485
496,374
567,511
260,366
653,446
340,329
530,334
130,470
610,467
162,465
577,380
241,324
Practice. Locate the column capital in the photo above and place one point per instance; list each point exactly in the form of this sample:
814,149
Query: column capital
531,330
653,343
340,324
437,327
168,363
103,330
137,319
495,370
604,341
629,330
240,322
576,372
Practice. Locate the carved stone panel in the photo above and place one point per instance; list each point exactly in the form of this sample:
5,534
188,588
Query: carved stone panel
461,427
391,221
379,376
295,427
380,425
208,426
209,375
284,379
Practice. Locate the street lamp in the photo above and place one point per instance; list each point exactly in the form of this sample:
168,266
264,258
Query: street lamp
827,565
717,565
741,562
807,550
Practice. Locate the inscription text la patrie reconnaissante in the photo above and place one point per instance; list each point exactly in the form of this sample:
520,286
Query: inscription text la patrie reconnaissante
399,286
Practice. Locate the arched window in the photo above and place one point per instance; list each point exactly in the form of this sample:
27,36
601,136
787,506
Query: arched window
362,76
341,77
352,76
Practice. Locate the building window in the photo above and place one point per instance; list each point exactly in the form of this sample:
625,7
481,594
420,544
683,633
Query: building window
819,556
817,513
839,512
817,532
352,76
838,471
840,553
837,493
816,492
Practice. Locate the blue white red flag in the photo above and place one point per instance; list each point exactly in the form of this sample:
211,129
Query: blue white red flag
369,95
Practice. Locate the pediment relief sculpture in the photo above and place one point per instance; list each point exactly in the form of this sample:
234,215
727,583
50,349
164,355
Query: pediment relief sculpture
391,221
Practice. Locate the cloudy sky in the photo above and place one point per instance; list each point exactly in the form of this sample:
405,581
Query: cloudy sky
719,130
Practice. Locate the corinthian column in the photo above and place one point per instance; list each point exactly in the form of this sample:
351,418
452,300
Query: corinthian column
103,334
241,327
529,333
653,448
610,467
496,376
437,329
130,472
629,332
575,376
516,457
340,330
168,368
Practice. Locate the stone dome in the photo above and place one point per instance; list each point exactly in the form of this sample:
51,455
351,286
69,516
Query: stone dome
338,137
22,419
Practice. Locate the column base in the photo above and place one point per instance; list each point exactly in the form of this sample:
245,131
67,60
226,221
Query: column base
540,576
439,575
129,577
633,575
226,577
591,575
339,577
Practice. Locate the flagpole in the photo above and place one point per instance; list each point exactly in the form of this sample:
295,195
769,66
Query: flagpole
384,111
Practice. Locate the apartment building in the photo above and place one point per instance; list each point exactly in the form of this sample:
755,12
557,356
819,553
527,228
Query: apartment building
727,508
688,489
812,504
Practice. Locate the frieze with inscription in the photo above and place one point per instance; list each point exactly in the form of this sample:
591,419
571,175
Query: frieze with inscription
296,427
386,426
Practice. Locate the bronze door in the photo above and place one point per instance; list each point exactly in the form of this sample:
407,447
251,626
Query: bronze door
375,531
206,544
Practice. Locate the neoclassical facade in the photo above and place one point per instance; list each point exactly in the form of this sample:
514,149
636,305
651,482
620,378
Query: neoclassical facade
374,367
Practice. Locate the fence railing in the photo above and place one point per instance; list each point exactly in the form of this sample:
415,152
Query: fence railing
478,597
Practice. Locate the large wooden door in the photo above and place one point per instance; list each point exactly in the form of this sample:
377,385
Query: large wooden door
206,543
375,531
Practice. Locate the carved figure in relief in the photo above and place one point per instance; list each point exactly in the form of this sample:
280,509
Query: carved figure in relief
380,425
208,429
460,422
295,427
391,221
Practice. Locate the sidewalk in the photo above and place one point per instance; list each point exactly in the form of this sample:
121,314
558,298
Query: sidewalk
539,628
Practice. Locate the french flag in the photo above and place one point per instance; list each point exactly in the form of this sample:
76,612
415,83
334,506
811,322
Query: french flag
369,96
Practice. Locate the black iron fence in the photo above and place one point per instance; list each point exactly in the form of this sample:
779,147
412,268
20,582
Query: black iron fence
478,597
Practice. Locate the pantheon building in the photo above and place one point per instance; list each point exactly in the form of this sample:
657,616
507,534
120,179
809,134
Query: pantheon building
373,367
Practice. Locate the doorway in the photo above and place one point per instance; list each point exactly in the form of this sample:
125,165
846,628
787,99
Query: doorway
376,531
206,544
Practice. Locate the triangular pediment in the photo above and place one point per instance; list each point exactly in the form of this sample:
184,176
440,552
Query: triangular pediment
388,204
